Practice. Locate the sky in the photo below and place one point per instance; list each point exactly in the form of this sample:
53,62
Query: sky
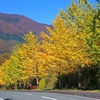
42,11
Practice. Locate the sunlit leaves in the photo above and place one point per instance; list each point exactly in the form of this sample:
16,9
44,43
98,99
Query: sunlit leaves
83,17
30,55
12,69
72,43
65,47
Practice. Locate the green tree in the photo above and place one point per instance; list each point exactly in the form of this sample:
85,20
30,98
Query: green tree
84,18
12,68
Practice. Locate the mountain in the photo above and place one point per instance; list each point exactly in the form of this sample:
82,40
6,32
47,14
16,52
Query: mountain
13,27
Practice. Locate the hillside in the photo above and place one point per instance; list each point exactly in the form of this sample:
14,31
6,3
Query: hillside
16,24
13,27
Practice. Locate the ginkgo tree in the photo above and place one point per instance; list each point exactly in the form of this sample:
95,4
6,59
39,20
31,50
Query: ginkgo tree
23,63
84,17
12,69
1,76
70,45
29,52
79,15
64,48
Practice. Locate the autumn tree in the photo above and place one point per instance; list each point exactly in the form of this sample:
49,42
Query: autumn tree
23,62
30,55
73,43
84,17
64,49
1,76
12,69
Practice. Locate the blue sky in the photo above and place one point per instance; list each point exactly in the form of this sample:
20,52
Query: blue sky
42,11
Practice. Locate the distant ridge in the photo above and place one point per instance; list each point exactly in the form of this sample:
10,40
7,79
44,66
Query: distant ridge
17,24
14,26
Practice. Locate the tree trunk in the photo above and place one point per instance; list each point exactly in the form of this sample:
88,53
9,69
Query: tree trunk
37,82
79,78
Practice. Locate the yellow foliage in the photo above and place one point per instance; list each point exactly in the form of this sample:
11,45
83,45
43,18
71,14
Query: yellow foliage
64,48
1,76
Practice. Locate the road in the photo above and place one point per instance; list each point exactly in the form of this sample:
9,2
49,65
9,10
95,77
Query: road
39,96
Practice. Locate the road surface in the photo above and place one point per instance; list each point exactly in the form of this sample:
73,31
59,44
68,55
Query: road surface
39,96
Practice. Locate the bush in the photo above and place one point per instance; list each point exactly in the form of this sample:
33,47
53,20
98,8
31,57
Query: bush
42,83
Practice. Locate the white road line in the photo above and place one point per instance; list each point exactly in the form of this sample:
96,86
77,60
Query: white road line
1,99
27,94
49,98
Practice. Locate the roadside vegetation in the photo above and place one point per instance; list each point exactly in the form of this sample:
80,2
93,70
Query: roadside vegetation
67,57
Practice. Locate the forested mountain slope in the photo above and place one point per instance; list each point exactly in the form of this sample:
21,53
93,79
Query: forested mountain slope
13,27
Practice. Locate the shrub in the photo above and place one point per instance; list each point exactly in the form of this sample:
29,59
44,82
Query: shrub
42,83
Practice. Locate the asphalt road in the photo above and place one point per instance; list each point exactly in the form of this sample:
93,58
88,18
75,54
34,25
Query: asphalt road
39,96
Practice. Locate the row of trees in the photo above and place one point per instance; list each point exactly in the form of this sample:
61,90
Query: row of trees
72,46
